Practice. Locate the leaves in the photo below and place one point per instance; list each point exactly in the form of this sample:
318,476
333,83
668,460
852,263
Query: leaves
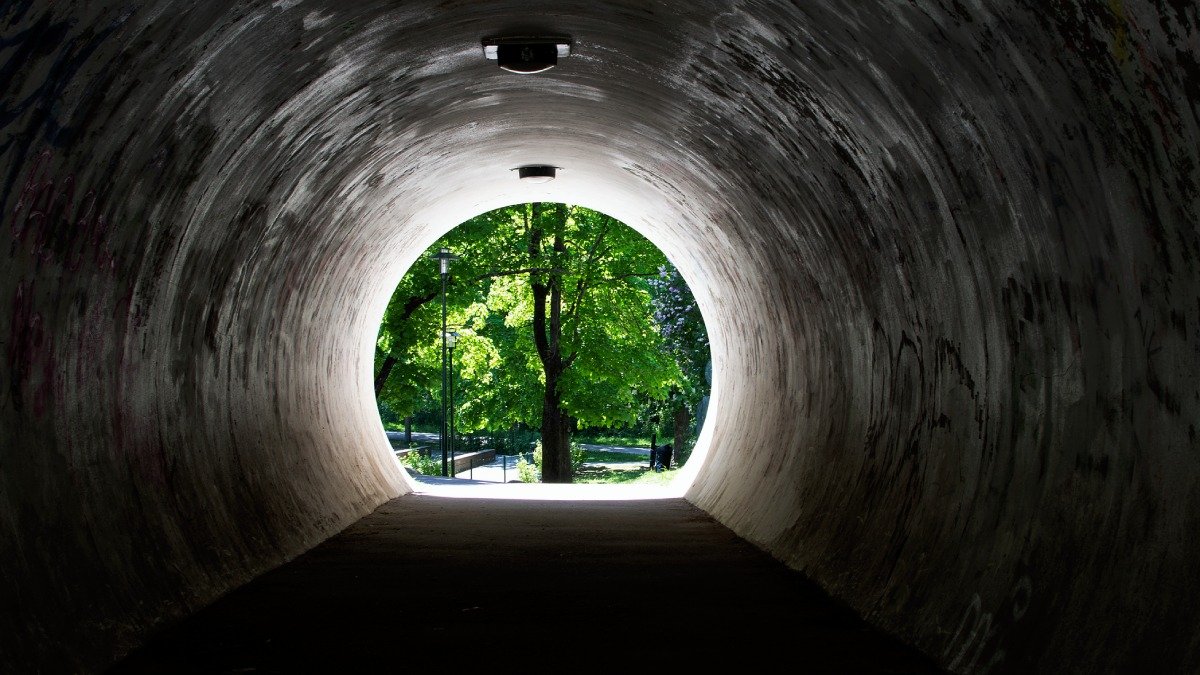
682,329
609,347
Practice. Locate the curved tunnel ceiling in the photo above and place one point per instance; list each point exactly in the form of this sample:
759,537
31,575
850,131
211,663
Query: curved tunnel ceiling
946,252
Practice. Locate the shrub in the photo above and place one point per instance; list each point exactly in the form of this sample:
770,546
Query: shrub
577,457
530,472
469,443
513,442
425,464
391,421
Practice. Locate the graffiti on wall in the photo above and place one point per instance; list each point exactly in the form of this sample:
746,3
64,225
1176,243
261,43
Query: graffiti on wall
975,646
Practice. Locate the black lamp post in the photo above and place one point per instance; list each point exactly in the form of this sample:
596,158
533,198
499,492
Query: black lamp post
451,340
444,257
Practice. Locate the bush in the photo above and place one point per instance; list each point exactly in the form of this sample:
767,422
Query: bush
530,472
391,421
687,451
577,457
514,441
469,443
425,464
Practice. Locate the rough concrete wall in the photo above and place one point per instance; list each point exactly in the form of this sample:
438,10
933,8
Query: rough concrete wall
181,407
983,432
956,383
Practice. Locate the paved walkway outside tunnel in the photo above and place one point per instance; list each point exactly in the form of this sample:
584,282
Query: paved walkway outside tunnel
503,469
506,585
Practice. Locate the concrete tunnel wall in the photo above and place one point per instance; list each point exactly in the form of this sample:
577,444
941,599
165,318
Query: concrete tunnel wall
947,253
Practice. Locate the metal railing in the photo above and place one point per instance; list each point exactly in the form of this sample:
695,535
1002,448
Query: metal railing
506,462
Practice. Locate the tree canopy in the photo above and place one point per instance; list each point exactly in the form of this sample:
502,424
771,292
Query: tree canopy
555,315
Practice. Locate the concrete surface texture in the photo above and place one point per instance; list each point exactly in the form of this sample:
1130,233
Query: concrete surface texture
946,252
527,586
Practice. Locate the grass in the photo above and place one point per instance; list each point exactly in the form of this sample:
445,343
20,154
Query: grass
606,456
656,478
626,440
638,476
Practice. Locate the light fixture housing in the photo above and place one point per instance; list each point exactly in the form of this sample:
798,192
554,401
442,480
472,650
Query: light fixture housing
527,54
537,173
444,257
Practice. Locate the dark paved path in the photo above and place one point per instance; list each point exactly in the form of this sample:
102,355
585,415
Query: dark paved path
527,586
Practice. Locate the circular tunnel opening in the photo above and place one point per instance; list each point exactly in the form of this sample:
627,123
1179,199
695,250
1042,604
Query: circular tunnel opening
549,311
955,374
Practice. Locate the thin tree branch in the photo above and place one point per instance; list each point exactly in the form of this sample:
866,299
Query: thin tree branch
631,275
560,249
414,303
581,286
539,290
512,273
385,371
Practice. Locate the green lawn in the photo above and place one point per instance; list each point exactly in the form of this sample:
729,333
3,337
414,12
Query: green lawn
613,438
638,476
606,456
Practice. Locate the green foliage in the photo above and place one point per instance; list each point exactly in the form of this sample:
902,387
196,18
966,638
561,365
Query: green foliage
391,421
513,441
630,438
578,457
530,472
467,443
638,476
683,454
682,329
426,464
592,456
602,267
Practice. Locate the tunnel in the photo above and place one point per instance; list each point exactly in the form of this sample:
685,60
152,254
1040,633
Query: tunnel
946,251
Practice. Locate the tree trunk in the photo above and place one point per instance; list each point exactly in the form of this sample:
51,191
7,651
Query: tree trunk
556,437
547,336
408,430
681,429
385,369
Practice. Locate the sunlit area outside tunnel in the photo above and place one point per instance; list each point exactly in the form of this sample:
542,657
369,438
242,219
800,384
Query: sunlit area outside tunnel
565,346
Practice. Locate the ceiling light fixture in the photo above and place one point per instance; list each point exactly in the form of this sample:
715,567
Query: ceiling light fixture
538,173
525,54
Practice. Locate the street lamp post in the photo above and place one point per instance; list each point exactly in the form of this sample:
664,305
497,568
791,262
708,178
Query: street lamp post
451,341
444,257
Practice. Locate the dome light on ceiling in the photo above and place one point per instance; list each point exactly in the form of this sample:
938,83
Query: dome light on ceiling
526,55
537,173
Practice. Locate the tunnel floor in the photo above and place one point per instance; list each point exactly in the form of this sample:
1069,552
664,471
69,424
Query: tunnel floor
577,586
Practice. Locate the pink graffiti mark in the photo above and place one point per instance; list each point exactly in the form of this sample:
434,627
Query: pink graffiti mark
1151,75
30,355
54,224
136,422
50,225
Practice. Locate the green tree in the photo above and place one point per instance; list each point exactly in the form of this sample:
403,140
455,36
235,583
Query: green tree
407,351
683,333
554,305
